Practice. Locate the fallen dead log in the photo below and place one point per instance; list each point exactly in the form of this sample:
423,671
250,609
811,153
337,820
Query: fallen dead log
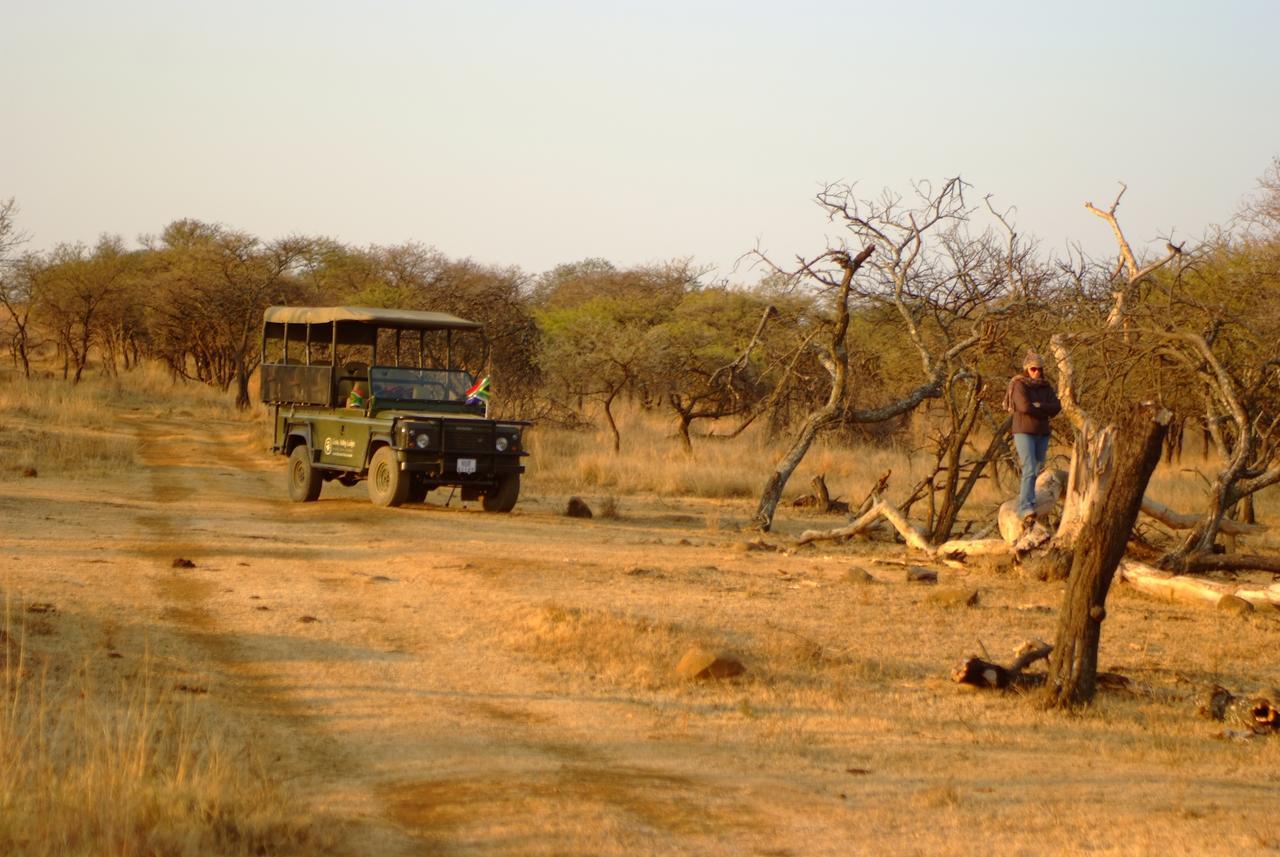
955,549
962,548
861,525
1230,562
977,672
912,536
1193,590
1181,521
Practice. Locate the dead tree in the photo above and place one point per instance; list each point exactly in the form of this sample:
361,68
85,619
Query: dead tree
1128,275
942,299
836,362
1251,449
1106,521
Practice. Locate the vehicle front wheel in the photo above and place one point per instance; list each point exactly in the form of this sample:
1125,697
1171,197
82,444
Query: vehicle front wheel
387,485
304,480
504,495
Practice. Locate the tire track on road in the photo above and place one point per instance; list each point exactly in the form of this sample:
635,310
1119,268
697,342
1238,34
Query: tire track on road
256,693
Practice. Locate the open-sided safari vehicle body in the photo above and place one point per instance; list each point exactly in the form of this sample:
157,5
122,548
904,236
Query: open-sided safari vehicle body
421,424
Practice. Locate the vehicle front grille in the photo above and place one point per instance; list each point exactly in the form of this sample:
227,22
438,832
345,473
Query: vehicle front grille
468,438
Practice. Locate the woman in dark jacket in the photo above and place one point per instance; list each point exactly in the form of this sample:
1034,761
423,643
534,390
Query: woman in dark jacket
1034,402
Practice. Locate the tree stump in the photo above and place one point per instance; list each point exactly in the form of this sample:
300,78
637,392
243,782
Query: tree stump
1104,532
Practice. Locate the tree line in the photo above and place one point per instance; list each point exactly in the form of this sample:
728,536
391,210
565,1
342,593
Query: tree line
926,300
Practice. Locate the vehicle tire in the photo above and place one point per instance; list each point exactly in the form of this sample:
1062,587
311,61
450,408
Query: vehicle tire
504,495
387,485
305,481
417,492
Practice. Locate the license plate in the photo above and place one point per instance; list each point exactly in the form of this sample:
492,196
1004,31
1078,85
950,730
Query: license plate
466,465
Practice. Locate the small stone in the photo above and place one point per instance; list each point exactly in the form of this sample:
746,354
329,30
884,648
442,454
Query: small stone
858,575
307,619
578,508
953,598
183,563
29,473
917,574
700,663
1234,604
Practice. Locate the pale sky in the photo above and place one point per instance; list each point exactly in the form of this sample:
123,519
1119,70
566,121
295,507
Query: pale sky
536,133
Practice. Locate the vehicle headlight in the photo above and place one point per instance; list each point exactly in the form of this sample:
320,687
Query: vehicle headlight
423,440
501,443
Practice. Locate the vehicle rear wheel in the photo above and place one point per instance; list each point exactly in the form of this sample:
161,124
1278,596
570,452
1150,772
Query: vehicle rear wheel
305,481
504,495
387,485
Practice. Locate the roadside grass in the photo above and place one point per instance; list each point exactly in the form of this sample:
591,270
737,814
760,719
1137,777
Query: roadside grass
652,461
49,426
121,766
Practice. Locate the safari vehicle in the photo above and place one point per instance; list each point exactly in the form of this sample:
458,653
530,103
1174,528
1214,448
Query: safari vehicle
423,423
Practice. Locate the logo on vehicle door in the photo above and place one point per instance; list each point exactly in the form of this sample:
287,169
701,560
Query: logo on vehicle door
339,447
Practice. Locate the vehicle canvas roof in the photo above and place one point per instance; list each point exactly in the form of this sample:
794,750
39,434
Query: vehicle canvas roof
402,318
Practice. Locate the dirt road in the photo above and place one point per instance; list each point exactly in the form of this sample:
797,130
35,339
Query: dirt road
441,680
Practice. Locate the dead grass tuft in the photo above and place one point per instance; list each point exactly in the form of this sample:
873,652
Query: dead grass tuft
620,648
610,508
127,770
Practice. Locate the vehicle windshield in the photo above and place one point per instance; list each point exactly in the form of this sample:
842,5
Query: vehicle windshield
419,385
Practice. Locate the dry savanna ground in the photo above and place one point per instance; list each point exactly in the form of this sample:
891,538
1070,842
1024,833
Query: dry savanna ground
333,678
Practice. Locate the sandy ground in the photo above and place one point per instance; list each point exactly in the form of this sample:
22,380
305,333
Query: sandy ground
402,670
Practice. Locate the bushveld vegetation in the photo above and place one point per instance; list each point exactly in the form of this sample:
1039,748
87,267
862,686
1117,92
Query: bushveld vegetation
927,304
885,354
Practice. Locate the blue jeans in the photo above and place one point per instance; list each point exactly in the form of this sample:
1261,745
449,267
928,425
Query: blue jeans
1032,449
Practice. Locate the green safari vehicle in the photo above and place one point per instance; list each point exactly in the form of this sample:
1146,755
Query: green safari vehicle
416,421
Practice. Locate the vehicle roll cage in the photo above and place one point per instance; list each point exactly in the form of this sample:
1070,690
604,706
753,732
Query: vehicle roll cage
298,380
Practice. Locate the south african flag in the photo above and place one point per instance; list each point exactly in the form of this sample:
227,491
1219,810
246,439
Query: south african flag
479,393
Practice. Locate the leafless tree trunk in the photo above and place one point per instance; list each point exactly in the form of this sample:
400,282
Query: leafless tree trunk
1106,525
837,363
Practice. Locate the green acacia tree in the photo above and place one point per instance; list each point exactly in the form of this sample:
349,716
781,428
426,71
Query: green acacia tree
590,352
706,363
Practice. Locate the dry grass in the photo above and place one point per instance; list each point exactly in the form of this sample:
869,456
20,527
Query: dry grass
652,461
50,426
123,767
614,647
846,686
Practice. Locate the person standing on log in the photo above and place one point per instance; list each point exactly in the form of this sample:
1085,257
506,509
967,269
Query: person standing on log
1033,402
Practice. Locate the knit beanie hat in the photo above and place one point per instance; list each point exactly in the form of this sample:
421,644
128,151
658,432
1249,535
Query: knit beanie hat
1032,359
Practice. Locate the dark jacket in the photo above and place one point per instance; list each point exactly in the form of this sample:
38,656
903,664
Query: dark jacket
1034,402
